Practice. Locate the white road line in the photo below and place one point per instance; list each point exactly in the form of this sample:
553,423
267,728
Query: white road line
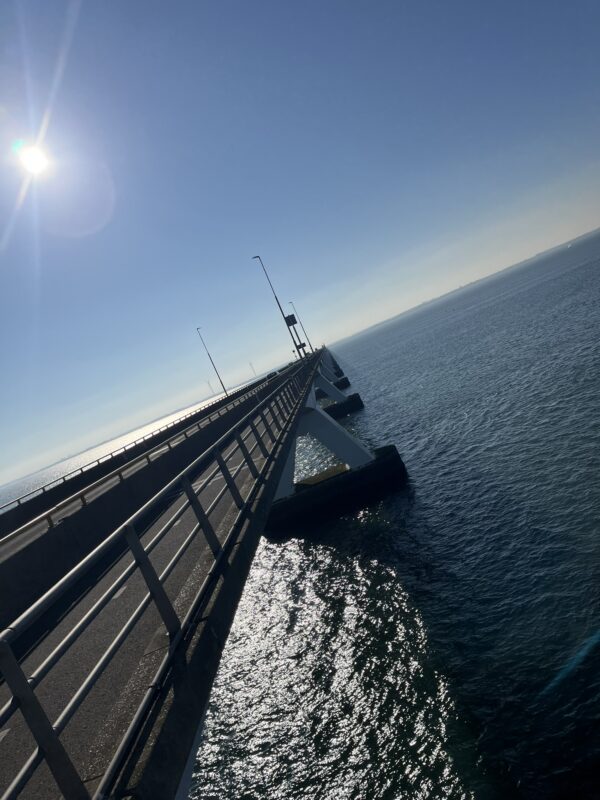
120,592
4,734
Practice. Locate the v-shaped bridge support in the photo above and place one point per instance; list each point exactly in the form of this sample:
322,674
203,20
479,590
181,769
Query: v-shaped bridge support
324,429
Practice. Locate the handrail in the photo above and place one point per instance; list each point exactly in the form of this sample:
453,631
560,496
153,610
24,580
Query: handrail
277,414
80,495
107,456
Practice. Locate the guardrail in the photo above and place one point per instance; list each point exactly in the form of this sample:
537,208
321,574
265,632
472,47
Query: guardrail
57,482
256,439
80,496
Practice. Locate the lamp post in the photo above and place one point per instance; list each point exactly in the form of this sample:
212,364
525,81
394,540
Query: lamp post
212,362
302,326
297,344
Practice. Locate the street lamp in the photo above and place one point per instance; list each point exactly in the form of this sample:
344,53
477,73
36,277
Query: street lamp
211,361
289,320
302,326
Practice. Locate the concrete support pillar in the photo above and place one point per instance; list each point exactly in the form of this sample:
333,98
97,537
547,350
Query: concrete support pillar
328,372
315,422
327,361
330,390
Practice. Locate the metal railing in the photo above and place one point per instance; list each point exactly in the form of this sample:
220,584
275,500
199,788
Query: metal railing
107,456
119,474
256,441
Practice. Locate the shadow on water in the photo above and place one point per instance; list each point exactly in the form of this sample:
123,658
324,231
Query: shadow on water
514,734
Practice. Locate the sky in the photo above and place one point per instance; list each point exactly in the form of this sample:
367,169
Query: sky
375,154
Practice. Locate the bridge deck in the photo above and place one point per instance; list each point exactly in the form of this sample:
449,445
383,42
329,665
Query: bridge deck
67,641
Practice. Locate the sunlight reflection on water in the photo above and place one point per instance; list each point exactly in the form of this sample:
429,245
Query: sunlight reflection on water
305,705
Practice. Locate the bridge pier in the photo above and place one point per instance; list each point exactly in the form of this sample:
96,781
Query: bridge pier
338,383
328,388
343,404
331,364
361,477
315,422
350,404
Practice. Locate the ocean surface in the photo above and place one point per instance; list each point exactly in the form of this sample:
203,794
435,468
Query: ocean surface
445,642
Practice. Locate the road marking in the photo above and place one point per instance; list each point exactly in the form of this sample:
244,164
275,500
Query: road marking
120,592
3,734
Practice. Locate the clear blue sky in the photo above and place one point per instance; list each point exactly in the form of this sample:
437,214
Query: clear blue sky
375,154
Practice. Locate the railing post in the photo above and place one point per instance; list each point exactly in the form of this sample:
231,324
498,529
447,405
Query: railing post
282,413
205,523
274,416
231,484
246,453
259,441
261,414
60,765
285,395
157,590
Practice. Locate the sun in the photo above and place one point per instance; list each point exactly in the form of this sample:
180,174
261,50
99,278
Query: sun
32,158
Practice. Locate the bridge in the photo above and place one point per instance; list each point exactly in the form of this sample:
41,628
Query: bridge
119,583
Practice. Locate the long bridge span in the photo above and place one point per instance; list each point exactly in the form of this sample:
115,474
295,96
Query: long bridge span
118,586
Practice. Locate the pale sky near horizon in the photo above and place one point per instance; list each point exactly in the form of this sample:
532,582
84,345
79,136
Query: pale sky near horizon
375,154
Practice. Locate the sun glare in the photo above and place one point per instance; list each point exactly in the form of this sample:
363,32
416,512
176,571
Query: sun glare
32,158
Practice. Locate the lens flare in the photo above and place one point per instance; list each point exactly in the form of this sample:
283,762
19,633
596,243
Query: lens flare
32,158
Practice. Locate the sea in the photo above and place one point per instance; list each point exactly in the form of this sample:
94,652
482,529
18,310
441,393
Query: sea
445,641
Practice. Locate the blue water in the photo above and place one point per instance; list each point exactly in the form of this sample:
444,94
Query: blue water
445,642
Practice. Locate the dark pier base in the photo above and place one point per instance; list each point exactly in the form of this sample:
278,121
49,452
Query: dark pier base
344,407
342,383
335,492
